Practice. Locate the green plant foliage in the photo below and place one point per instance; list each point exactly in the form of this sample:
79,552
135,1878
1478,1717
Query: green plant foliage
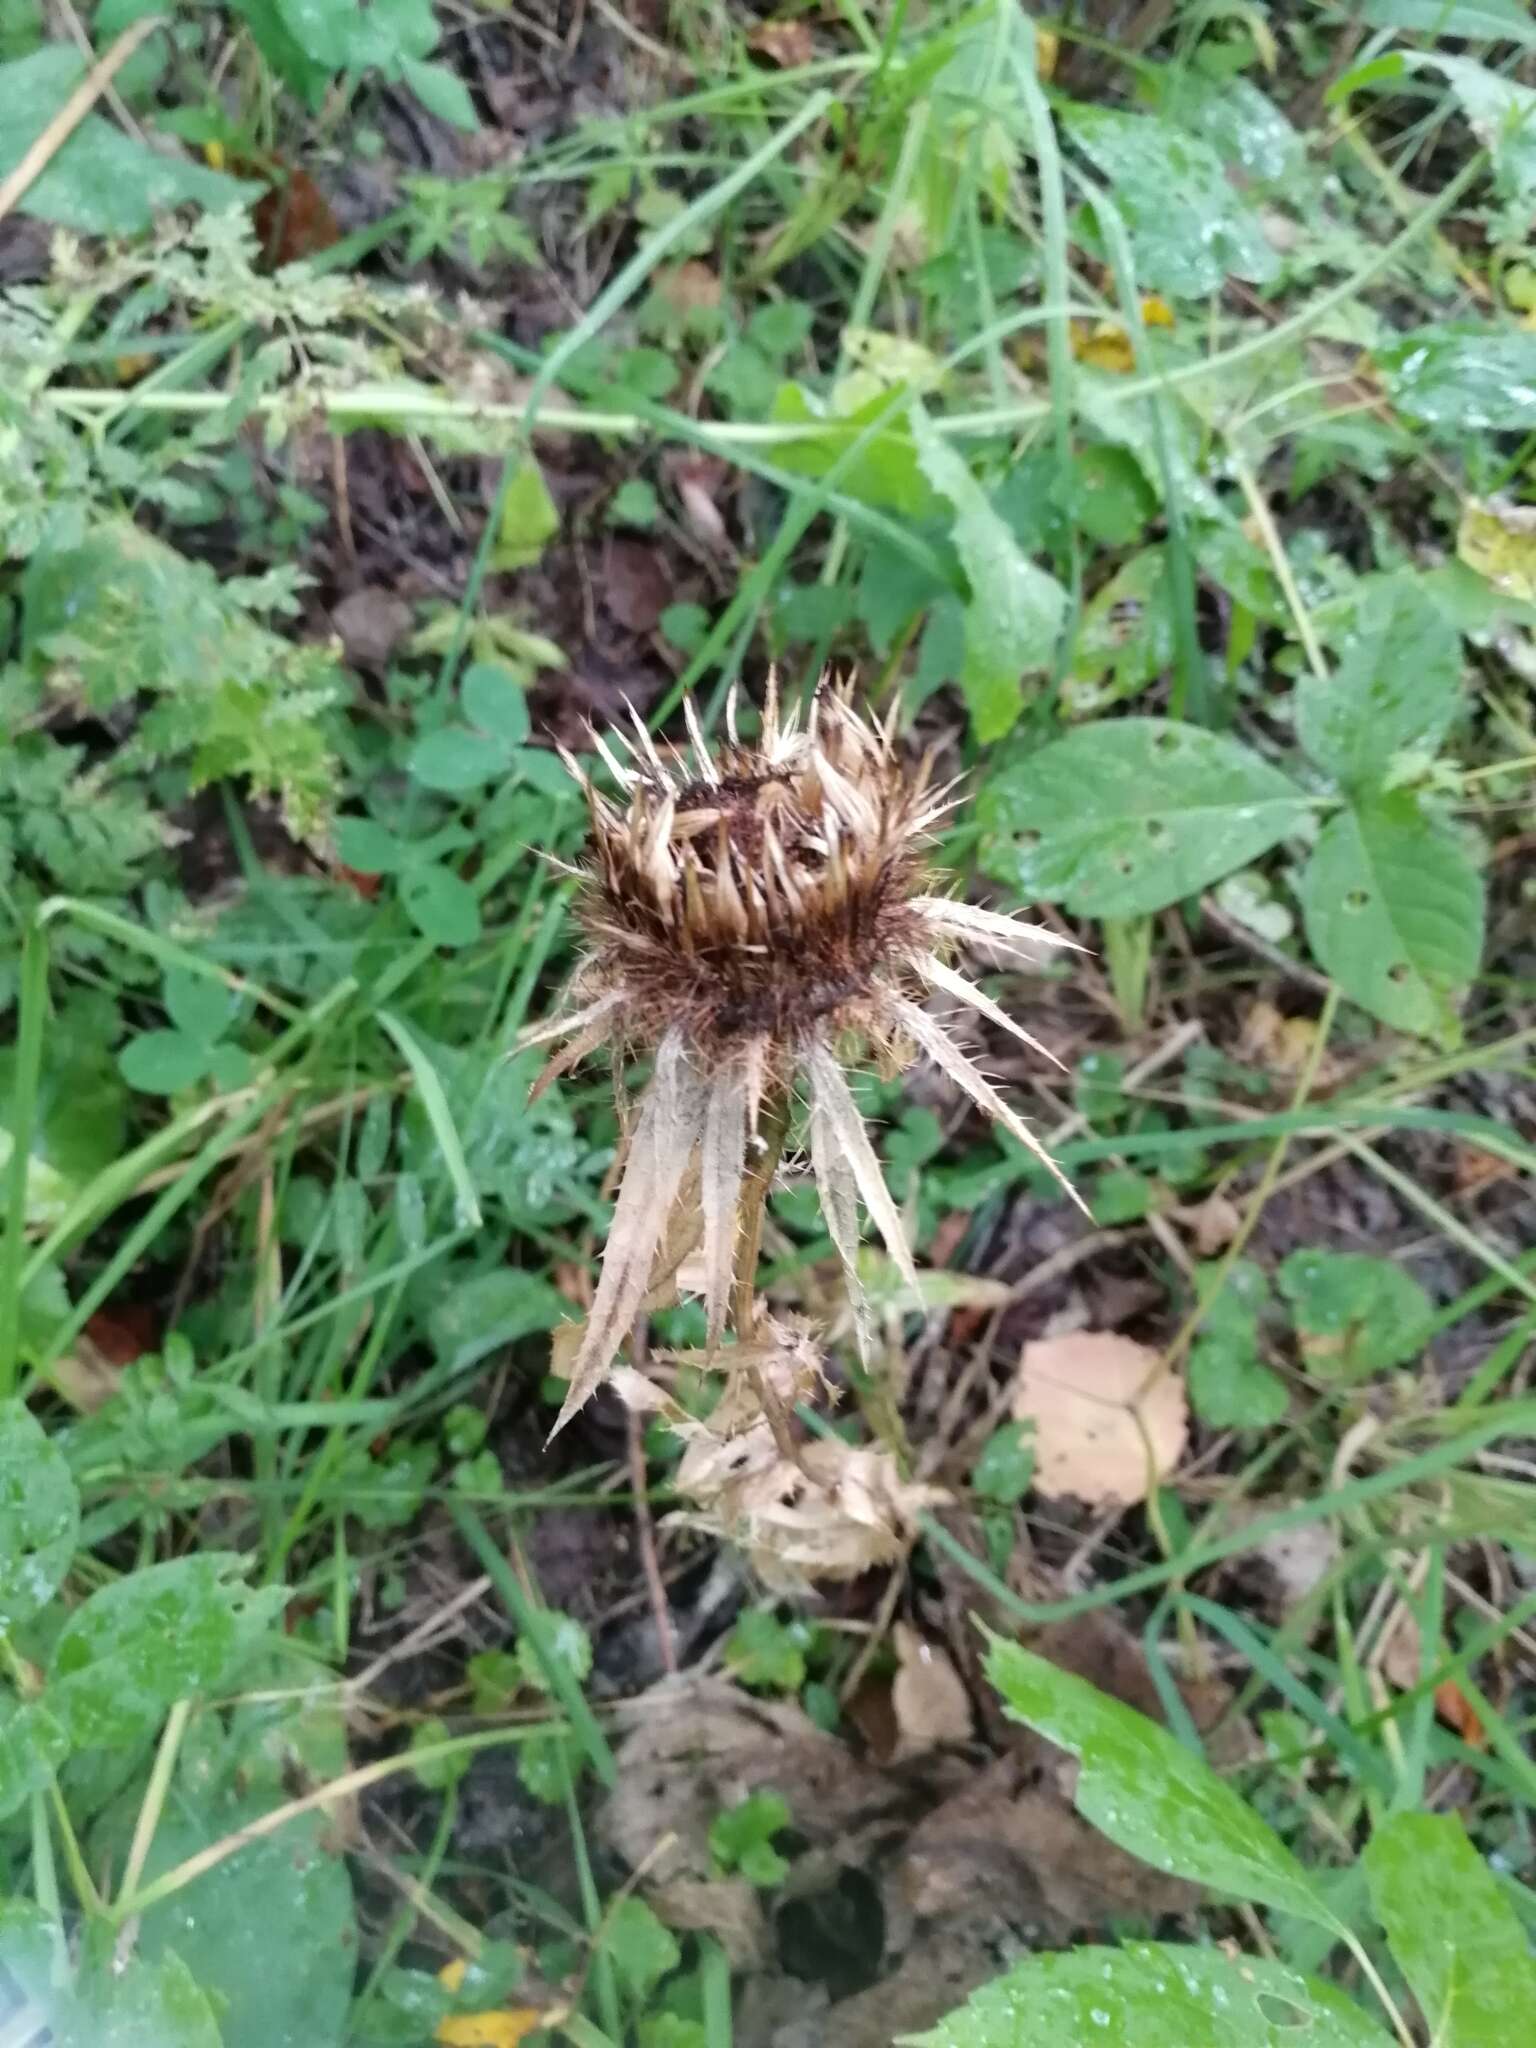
640,1948
1154,1995
308,42
1147,1792
99,181
1394,911
767,1653
1015,610
1463,377
1190,227
140,1644
1458,1939
1395,688
1122,818
1229,1384
1355,1315
742,1839
39,1516
283,1896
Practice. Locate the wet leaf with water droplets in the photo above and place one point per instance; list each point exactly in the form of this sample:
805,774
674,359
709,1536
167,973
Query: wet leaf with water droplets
1126,817
1154,1995
1469,376
1456,1937
1146,1791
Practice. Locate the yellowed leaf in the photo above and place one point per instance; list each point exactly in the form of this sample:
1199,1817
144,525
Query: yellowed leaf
1108,1425
1103,345
927,1693
500,2029
1498,540
488,2029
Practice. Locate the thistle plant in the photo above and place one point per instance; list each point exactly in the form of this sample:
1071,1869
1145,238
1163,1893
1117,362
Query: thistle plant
757,918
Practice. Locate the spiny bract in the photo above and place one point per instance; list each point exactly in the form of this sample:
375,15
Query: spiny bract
752,917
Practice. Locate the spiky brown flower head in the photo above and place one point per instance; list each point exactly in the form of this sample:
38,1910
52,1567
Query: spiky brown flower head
752,917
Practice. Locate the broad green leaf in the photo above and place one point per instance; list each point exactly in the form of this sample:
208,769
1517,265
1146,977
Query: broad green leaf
1469,375
1242,124
1394,912
763,1651
884,472
99,181
1501,113
1230,1387
1355,1314
454,759
1454,1934
1501,21
269,1933
32,1743
640,1948
138,1645
1190,227
1147,1792
145,2004
1154,1995
442,92
163,1062
39,1516
1124,817
1015,611
492,1310
1395,687
741,1838
494,703
198,1004
441,905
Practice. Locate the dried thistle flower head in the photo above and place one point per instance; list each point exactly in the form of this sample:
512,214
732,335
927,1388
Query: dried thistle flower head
753,917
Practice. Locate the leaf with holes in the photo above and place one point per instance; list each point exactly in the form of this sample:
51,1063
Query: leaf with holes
1126,817
1395,687
1140,1786
1155,1995
1394,912
1457,1940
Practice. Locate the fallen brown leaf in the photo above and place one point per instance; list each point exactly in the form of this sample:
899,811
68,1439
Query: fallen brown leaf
1458,1712
785,43
1107,1426
929,1698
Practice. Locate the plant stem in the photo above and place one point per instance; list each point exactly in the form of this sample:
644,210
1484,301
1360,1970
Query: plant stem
772,1134
774,1123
